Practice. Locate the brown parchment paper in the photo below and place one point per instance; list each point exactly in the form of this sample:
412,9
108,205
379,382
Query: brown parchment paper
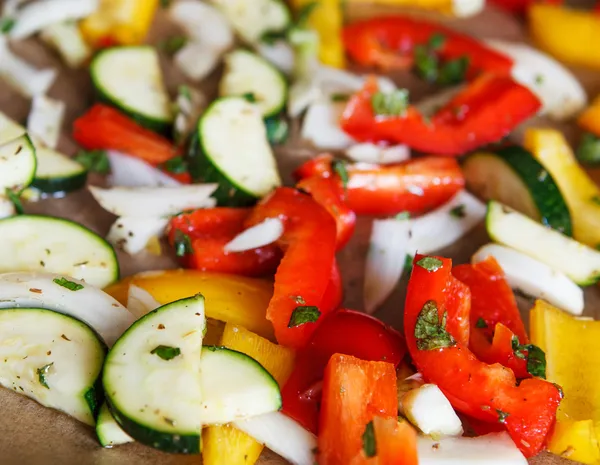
33,435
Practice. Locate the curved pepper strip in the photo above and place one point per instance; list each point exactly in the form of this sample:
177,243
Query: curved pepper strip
308,244
487,392
414,186
458,302
485,112
389,42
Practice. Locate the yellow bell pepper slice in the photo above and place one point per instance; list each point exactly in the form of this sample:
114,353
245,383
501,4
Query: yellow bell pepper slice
233,299
590,118
570,35
125,22
572,348
575,440
224,445
327,18
582,195
460,8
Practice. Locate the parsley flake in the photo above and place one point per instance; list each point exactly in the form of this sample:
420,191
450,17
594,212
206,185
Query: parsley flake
339,167
95,161
596,199
588,150
369,441
70,285
304,14
166,352
481,323
16,201
173,44
502,416
430,263
453,71
6,25
42,373
536,358
182,244
176,165
403,216
391,103
304,314
436,41
408,263
340,97
458,211
430,331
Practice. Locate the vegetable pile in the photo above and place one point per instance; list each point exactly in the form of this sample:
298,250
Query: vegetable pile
249,344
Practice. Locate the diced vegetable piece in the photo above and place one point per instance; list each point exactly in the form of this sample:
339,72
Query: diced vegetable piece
67,39
133,234
108,430
52,358
459,8
44,122
262,234
321,126
280,54
7,207
56,173
576,440
589,119
379,154
57,245
227,445
203,24
129,171
17,163
140,302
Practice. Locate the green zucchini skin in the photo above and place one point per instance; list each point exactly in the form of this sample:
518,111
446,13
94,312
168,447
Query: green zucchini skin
551,207
278,129
60,185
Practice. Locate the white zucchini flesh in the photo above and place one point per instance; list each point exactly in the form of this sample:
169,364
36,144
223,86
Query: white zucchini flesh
107,317
144,202
247,73
128,171
52,358
23,77
36,16
108,430
203,24
560,92
68,41
45,120
9,128
282,435
132,234
196,60
17,163
378,154
252,20
321,126
428,409
491,449
534,278
515,230
264,233
157,397
53,166
234,387
140,302
45,243
280,54
7,207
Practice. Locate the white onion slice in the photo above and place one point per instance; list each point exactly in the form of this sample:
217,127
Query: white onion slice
197,60
465,8
321,126
132,234
140,301
534,277
7,208
559,90
378,154
24,77
203,23
153,202
11,7
280,54
36,16
128,171
45,120
68,41
262,234
282,435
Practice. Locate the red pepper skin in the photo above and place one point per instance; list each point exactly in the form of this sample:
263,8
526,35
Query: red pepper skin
105,128
415,186
210,221
308,244
317,166
345,332
485,112
487,392
330,195
501,351
334,292
458,302
389,42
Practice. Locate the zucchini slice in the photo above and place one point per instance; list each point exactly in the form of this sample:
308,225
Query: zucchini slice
17,163
152,377
57,173
130,79
231,149
234,386
247,74
52,358
56,245
515,230
515,178
107,317
108,430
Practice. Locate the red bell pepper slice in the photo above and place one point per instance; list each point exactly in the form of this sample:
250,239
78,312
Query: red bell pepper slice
330,194
207,231
389,42
334,291
487,392
345,332
458,302
105,128
308,243
355,392
485,112
414,186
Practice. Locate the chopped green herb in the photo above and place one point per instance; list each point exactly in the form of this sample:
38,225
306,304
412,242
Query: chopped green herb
453,71
304,14
16,201
304,314
458,211
390,104
340,97
430,263
166,352
502,416
250,97
403,216
588,150
426,63
408,263
339,167
298,299
173,44
481,323
182,244
42,372
369,441
165,3
596,199
70,285
539,79
95,161
430,332
278,129
175,165
6,25
436,41
270,37
536,358
185,92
